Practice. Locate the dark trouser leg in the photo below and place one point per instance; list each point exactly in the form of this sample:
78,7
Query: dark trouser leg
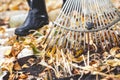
63,2
37,18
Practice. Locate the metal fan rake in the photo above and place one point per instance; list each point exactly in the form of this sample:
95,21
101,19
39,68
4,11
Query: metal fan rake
85,24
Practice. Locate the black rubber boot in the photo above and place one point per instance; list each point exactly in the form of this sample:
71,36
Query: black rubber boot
37,18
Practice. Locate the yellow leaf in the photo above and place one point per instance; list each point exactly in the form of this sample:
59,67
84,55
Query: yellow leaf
25,66
113,50
7,53
2,30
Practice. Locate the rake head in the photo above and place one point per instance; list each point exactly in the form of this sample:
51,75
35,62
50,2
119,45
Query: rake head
85,24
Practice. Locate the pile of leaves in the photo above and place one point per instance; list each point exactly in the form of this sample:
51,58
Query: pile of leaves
54,63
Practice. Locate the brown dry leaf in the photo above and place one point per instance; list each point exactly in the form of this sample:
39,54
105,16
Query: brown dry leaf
93,62
116,3
7,52
25,66
72,58
79,52
3,7
50,3
8,67
117,76
17,66
111,77
23,76
51,52
53,14
11,41
113,62
2,30
15,5
113,50
17,47
117,56
11,77
31,61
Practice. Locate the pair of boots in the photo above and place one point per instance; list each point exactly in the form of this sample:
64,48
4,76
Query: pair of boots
37,18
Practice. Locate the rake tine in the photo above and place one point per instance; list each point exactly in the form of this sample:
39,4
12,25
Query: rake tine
73,30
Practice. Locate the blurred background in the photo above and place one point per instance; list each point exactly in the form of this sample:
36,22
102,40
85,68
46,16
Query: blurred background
14,12
10,5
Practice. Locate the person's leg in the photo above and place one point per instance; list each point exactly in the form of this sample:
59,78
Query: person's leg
37,18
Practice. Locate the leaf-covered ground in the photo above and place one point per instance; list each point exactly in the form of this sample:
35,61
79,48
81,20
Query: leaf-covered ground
17,54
